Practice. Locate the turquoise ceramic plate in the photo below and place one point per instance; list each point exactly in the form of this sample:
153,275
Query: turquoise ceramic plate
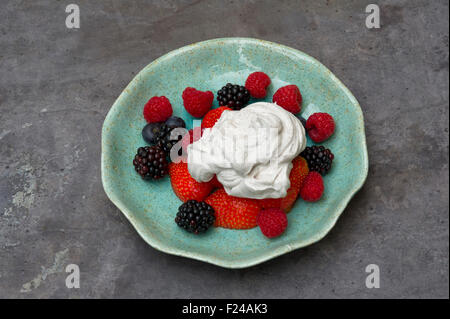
151,206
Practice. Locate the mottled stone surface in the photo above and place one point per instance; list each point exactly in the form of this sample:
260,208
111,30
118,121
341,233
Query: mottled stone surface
56,86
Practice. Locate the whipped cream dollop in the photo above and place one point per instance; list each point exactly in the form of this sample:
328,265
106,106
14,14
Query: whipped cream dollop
250,151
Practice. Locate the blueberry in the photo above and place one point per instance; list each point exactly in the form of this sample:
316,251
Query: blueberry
303,120
175,121
150,131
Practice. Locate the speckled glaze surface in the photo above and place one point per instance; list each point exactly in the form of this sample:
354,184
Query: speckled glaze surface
151,206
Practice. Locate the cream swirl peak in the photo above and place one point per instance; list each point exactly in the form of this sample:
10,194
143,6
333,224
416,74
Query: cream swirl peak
250,151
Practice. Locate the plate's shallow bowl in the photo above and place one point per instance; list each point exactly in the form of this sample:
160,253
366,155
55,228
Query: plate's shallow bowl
151,206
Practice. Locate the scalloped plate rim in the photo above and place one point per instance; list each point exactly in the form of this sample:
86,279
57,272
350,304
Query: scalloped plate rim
155,243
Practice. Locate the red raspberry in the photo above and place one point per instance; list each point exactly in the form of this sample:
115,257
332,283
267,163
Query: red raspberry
256,84
272,222
157,109
312,188
196,102
289,98
213,116
320,126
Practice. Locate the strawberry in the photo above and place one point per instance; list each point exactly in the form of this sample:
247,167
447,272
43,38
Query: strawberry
289,98
284,203
233,212
297,177
215,182
299,172
213,116
192,136
184,186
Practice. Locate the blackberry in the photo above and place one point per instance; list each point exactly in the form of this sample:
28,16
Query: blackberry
233,96
151,162
164,141
195,217
319,159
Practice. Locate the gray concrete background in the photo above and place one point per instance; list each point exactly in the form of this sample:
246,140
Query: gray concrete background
57,85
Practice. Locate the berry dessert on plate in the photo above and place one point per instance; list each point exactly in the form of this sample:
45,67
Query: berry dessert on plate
233,151
246,165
